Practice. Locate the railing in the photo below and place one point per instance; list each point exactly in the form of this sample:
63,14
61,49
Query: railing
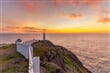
27,51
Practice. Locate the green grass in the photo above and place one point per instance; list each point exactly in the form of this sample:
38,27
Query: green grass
40,50
11,61
69,62
17,67
8,46
52,68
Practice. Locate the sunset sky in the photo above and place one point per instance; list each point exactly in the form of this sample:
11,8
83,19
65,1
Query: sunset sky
56,16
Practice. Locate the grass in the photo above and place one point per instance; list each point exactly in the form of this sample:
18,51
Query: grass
11,61
8,46
69,62
52,68
40,49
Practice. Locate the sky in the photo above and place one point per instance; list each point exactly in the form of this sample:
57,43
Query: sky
55,16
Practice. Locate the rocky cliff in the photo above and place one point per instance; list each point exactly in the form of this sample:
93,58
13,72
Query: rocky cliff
57,59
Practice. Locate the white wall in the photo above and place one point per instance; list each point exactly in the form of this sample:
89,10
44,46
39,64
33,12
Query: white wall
23,49
36,64
27,51
31,69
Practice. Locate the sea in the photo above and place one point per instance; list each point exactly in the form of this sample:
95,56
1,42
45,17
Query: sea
93,50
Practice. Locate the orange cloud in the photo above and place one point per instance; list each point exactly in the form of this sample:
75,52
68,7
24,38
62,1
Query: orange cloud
71,2
28,5
32,5
72,15
104,20
75,15
26,29
21,29
57,2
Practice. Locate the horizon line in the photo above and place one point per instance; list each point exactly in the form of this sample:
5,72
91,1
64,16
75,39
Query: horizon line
63,33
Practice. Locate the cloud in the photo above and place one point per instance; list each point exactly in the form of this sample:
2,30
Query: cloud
35,6
32,5
71,2
23,29
26,29
72,15
104,20
28,5
58,2
31,28
91,3
79,2
75,15
106,11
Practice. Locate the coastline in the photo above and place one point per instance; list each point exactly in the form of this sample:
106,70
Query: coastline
1,45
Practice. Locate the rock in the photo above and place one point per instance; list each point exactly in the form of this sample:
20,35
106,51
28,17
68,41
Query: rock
43,70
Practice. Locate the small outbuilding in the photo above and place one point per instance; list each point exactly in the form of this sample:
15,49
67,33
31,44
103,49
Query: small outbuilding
18,40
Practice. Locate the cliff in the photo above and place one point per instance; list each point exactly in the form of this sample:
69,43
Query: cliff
57,59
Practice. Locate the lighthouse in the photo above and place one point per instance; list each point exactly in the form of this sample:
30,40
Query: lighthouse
44,37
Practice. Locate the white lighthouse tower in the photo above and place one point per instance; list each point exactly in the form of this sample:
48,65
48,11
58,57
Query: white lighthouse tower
44,36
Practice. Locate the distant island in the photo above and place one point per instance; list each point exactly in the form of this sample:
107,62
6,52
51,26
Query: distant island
53,59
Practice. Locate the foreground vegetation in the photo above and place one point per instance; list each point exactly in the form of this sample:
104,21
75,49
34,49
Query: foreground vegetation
11,61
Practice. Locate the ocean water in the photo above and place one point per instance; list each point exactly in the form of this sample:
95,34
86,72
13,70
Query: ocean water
93,50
